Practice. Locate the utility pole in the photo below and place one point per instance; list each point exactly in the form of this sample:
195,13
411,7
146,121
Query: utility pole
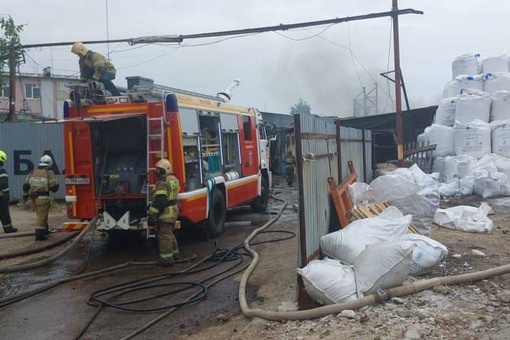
12,85
398,93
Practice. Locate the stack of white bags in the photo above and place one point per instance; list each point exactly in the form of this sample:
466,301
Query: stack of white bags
378,253
472,128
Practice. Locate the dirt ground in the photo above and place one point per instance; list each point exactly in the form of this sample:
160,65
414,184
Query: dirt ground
478,310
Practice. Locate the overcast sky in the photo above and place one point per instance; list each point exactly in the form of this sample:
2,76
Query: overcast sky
326,66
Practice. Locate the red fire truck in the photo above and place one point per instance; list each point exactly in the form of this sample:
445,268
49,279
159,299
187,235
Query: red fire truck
219,154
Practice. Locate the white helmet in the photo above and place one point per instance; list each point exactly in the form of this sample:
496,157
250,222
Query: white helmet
79,49
165,165
46,161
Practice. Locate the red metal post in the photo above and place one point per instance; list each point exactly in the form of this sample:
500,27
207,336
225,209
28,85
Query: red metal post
398,93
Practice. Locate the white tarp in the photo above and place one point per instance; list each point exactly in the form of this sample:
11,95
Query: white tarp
465,218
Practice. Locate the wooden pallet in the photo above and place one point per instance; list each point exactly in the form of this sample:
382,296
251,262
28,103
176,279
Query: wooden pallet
373,210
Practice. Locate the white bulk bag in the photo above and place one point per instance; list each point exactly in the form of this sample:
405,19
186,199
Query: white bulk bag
438,166
466,64
471,105
444,138
495,63
346,244
501,138
426,255
457,166
466,186
423,138
445,113
328,281
383,265
500,107
503,165
449,189
497,81
486,187
473,139
463,82
412,192
360,194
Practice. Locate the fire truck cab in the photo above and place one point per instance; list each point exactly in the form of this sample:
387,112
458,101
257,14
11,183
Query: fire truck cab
219,153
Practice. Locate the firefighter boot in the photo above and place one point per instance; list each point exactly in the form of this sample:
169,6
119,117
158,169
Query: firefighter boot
166,262
41,234
10,229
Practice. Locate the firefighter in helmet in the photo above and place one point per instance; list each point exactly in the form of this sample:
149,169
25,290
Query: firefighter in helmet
94,66
37,186
163,212
5,215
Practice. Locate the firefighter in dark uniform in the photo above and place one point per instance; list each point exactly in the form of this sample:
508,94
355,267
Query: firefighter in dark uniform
37,186
94,66
163,212
5,215
290,165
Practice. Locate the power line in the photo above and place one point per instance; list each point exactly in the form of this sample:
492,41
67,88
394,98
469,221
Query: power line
280,27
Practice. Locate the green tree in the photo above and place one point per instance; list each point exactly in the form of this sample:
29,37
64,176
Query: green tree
10,50
301,107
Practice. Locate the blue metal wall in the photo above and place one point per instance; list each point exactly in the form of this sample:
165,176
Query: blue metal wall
24,144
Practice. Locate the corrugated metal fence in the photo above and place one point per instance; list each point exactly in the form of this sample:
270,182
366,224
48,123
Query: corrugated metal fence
24,144
323,150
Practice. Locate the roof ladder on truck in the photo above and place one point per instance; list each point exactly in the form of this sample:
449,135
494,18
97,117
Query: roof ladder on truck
155,151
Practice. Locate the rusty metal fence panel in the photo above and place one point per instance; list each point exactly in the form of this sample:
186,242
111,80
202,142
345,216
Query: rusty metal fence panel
318,157
24,144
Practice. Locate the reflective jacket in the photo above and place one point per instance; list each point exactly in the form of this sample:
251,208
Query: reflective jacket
164,200
93,65
4,185
40,182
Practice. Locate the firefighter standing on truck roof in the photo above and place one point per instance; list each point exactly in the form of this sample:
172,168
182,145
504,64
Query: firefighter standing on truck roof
37,186
163,212
5,215
94,66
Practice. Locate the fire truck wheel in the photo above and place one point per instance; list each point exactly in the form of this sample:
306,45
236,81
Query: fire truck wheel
259,204
218,214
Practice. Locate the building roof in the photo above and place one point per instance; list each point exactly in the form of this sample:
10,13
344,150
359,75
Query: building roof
279,120
413,121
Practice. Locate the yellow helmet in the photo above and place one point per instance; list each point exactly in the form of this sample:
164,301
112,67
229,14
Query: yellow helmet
79,49
3,156
165,165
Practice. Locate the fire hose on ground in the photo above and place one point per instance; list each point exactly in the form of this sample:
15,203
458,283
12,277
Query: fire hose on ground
63,252
319,312
46,246
21,234
273,315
